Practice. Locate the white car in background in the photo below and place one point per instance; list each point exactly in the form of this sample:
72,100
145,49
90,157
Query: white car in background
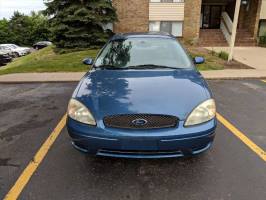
16,50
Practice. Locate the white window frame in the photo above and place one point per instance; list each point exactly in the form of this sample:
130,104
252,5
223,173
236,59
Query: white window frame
159,23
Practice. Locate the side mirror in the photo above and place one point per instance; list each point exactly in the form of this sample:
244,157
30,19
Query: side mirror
199,60
88,61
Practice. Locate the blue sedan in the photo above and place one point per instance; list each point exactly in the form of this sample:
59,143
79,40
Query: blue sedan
143,98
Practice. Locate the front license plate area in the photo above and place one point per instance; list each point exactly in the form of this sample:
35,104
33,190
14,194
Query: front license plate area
140,145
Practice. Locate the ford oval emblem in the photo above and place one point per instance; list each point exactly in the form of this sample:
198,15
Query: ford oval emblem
139,122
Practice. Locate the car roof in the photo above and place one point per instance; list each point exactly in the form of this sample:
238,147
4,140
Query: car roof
143,35
6,44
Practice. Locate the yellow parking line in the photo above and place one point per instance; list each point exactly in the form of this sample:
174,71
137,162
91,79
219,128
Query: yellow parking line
259,151
24,178
263,81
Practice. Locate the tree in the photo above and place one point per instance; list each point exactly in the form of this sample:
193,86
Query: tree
19,27
79,23
24,30
39,27
5,33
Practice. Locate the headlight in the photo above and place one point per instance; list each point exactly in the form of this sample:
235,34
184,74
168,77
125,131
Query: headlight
79,112
202,113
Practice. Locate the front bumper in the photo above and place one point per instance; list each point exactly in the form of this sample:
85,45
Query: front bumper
161,143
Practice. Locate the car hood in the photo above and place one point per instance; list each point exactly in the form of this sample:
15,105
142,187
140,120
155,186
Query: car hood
169,92
3,53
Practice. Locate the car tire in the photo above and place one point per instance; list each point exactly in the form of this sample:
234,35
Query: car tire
16,54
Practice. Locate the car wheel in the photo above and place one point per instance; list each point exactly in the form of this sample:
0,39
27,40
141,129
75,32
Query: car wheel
16,54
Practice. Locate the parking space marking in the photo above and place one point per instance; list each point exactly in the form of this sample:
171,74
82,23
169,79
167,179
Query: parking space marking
259,151
263,81
24,178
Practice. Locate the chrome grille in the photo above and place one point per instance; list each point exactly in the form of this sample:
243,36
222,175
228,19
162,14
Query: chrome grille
140,121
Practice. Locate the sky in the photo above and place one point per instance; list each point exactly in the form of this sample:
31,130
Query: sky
7,7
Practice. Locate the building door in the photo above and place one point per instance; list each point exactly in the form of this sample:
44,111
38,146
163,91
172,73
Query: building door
211,16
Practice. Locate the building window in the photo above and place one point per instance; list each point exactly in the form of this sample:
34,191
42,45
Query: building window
174,28
177,29
154,26
166,27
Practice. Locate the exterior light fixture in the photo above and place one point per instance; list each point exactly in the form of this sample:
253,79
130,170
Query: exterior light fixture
245,2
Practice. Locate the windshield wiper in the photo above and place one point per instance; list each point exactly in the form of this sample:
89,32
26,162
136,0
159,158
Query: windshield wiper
151,66
146,66
109,67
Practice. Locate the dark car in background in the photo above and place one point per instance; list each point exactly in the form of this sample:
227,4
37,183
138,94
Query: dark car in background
4,58
41,45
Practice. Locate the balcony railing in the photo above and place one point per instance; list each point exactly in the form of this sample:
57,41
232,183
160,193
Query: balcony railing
226,26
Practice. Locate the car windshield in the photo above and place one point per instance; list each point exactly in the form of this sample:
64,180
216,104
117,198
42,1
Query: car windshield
134,52
13,46
4,48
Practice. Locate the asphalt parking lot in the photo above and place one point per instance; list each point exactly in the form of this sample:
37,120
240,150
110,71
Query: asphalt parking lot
230,170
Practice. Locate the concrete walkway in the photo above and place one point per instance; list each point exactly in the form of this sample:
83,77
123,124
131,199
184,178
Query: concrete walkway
254,57
234,74
76,76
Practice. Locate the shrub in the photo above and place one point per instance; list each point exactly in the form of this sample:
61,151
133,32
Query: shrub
262,40
213,53
223,55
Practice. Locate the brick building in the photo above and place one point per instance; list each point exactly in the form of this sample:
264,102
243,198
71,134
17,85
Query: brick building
196,20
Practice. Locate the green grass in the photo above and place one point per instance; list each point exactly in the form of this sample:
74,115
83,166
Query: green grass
262,40
46,60
212,61
209,66
52,60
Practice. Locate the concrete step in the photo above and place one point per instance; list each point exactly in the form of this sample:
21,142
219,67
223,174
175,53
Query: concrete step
215,37
212,37
253,44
